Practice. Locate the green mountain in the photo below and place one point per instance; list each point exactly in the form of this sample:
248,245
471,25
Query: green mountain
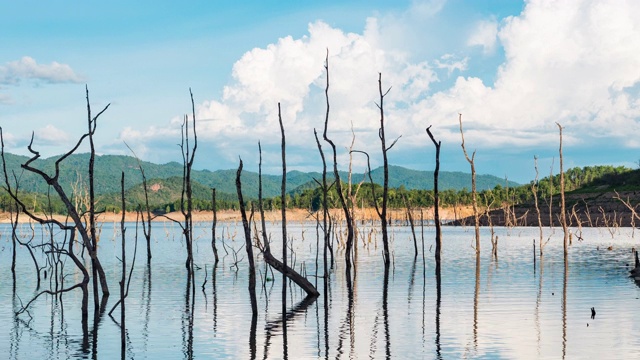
73,174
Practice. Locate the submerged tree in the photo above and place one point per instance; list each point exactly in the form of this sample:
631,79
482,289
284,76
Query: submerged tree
280,266
248,246
474,201
339,190
87,230
188,155
214,208
436,200
146,223
385,187
325,212
534,190
563,216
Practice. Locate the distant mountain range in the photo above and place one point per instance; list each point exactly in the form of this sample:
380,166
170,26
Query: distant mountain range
73,171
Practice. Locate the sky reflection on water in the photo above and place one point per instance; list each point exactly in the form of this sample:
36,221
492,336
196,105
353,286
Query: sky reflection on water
509,307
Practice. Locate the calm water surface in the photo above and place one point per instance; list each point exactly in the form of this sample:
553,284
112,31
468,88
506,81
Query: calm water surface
514,307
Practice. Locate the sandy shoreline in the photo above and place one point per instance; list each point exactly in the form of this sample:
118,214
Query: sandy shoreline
292,215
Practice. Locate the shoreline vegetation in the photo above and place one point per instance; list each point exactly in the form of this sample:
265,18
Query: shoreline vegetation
603,209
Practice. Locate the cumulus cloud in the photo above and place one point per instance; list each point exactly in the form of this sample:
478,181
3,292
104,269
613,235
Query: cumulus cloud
485,34
51,136
570,62
291,72
13,72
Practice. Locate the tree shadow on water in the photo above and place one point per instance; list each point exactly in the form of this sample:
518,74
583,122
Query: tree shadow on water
272,327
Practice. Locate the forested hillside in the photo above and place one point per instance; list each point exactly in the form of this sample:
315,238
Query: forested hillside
407,186
108,168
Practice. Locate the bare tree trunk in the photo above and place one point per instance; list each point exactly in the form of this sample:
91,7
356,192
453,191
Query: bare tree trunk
14,238
188,156
87,235
123,336
338,182
283,209
248,246
551,195
353,196
325,211
413,229
563,216
534,190
280,266
474,200
385,186
214,207
146,224
436,202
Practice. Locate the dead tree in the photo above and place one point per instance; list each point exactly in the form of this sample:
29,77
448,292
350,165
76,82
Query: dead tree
92,197
563,216
283,207
474,200
54,250
214,207
124,290
248,246
146,223
82,285
385,187
325,210
407,205
26,244
436,202
551,194
276,264
353,194
188,155
494,237
634,214
123,231
534,190
338,182
87,233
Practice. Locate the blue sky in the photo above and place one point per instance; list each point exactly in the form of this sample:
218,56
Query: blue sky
513,69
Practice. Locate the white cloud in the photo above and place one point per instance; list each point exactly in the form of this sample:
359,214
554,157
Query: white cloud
291,71
451,63
27,68
570,62
485,34
51,136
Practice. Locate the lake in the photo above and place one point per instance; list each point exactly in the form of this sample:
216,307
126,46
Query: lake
516,306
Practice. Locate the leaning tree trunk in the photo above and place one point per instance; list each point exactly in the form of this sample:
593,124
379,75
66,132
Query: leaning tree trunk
88,235
283,268
248,246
